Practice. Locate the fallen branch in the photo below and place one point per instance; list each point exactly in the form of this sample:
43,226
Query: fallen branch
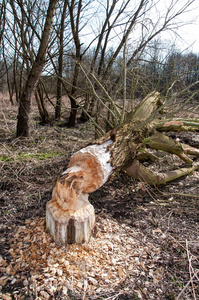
176,125
70,218
139,171
190,270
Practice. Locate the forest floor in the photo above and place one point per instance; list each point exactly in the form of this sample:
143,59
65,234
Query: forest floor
146,242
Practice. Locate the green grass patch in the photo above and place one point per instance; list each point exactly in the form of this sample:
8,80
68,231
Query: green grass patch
6,158
27,156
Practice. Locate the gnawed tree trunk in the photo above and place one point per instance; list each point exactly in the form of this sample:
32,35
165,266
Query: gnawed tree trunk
69,216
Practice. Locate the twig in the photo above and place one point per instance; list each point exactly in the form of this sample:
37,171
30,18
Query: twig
184,288
89,116
190,270
113,297
177,194
124,82
180,244
94,92
5,121
108,97
11,153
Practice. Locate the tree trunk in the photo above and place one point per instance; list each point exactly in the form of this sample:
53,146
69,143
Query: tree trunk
70,218
39,96
73,112
84,117
91,167
75,23
60,65
2,19
39,63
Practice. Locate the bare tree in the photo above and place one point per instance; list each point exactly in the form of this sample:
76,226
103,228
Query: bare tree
2,18
123,27
22,27
149,29
75,24
35,72
60,63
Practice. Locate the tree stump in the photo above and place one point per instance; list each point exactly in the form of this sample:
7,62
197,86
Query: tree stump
70,218
72,225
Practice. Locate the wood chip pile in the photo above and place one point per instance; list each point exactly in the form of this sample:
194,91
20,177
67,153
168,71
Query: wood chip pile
112,263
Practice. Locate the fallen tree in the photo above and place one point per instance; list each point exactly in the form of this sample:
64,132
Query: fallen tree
70,218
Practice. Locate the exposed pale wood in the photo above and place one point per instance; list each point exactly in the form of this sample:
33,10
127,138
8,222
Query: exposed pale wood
70,218
144,110
73,225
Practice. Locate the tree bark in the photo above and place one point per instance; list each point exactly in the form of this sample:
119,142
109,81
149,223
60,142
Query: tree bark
2,19
39,96
176,125
75,23
144,174
33,77
60,65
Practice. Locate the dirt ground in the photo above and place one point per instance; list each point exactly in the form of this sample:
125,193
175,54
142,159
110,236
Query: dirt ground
146,242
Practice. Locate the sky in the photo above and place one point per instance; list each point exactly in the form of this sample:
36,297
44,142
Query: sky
188,39
190,34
